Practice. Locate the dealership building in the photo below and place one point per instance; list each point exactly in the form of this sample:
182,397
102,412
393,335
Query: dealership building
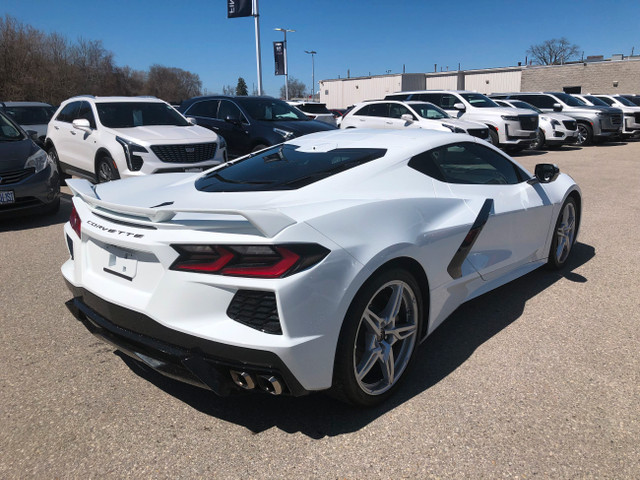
618,74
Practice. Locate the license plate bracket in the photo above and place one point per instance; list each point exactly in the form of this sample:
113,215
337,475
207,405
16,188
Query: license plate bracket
121,263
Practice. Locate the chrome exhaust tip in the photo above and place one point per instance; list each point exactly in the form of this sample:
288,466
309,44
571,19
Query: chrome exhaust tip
243,379
270,384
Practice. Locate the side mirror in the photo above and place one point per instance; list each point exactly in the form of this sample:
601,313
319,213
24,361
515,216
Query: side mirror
407,117
82,124
192,121
33,135
546,172
557,107
459,106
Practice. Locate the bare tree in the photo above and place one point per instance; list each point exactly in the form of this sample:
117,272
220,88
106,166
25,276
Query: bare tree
297,89
553,52
228,90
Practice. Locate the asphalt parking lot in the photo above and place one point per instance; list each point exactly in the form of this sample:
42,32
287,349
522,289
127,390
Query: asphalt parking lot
538,379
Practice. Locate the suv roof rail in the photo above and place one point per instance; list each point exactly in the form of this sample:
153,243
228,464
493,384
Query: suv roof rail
84,95
146,96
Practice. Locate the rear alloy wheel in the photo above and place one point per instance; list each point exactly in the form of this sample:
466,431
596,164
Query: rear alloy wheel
538,142
378,339
585,134
564,235
106,170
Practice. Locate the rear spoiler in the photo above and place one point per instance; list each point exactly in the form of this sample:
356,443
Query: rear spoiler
267,222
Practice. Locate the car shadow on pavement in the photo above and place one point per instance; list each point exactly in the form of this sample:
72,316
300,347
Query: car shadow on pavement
28,222
319,415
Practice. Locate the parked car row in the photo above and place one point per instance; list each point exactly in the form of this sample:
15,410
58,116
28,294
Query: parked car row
514,120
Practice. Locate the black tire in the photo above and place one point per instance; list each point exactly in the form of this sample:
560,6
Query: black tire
538,142
258,147
564,234
495,141
106,170
53,155
376,346
585,134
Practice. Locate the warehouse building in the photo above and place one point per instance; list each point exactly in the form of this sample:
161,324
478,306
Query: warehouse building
594,75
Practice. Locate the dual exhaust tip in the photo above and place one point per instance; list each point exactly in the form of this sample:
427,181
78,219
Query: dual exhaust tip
248,381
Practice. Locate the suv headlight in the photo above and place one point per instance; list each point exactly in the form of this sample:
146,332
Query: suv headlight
134,162
286,134
513,118
38,161
453,128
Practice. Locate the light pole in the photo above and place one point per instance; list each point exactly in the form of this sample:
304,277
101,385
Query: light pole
286,66
313,74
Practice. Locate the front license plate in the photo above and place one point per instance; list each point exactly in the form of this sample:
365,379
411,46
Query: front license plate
195,169
7,197
121,263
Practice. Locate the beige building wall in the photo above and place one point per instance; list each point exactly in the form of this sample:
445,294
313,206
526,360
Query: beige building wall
493,82
602,77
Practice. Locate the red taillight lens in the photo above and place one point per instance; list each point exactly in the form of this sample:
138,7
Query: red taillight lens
262,261
75,222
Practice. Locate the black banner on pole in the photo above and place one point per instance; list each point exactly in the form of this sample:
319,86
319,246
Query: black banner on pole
278,55
239,8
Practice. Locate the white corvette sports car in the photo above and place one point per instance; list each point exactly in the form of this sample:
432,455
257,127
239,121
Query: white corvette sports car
318,264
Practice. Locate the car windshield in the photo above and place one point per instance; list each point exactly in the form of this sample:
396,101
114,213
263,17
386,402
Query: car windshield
138,114
36,115
528,106
478,100
8,131
569,100
635,100
270,109
625,101
598,101
284,167
429,110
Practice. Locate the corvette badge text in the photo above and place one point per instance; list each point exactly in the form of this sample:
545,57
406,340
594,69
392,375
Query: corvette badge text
113,230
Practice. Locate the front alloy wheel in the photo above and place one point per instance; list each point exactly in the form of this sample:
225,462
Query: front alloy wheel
379,338
564,235
106,170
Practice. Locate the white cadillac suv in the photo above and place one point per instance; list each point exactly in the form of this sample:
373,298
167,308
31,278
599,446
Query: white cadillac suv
106,138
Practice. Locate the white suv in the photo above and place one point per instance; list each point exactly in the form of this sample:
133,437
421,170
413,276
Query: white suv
508,127
630,112
395,114
105,138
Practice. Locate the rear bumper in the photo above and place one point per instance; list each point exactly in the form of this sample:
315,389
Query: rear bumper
177,355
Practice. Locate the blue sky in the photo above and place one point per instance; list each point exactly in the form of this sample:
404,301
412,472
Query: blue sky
361,36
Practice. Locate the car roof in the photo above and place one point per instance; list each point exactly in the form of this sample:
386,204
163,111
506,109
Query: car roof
25,104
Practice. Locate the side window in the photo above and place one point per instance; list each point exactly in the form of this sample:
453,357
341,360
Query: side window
69,113
86,113
363,111
207,108
428,97
606,100
396,110
229,109
540,101
467,163
379,110
448,101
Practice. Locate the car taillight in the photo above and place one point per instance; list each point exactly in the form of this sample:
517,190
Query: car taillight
75,222
263,261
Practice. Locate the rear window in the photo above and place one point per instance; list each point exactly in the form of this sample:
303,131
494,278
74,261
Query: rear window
284,168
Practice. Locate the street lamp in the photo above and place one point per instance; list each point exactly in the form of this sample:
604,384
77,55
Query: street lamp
313,74
286,66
